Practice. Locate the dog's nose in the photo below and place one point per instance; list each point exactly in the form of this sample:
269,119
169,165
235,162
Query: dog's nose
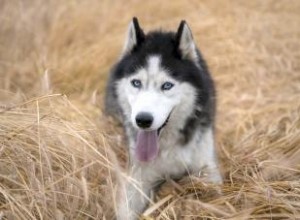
144,120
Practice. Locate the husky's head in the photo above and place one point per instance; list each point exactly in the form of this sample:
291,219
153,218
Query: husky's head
157,79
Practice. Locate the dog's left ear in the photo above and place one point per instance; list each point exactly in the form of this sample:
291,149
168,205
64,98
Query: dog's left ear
135,36
185,42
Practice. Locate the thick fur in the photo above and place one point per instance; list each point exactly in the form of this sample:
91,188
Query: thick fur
186,142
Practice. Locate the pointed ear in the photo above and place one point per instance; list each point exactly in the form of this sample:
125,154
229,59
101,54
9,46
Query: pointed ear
185,42
135,36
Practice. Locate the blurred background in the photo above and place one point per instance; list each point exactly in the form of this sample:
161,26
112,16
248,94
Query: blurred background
59,153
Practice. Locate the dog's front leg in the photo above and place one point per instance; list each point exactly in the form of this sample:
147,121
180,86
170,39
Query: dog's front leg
134,195
208,157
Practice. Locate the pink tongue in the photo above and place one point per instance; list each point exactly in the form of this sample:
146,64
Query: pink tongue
147,145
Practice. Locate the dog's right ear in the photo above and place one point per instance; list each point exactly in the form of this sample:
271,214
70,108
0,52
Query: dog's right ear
135,36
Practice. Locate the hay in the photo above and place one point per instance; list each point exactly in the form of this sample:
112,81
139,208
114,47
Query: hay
58,153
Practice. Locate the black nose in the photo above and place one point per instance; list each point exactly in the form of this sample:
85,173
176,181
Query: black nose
144,120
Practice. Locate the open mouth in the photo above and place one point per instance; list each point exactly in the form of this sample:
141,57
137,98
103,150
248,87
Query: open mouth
147,146
164,124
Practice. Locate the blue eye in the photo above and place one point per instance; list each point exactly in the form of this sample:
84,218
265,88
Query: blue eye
136,83
167,86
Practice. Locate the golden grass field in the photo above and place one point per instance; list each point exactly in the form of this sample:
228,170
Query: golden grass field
59,153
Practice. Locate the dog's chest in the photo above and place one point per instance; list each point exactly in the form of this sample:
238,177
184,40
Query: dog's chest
177,160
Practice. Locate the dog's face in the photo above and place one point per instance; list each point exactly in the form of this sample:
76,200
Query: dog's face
152,95
156,84
149,92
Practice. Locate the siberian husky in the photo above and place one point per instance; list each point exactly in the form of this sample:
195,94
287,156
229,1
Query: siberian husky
162,92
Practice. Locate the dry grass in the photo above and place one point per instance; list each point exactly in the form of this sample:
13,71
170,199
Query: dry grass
58,152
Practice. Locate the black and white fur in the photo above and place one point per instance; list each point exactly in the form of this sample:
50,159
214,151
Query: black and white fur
184,115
